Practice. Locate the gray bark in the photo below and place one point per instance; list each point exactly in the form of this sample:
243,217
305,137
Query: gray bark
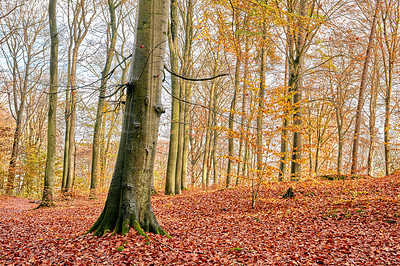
128,202
187,54
357,129
372,119
47,198
101,103
170,184
230,122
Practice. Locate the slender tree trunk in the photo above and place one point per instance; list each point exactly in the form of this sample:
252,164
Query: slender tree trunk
214,150
67,113
101,103
103,149
388,111
372,119
391,47
14,155
310,141
70,167
128,203
285,124
357,129
207,147
317,151
185,153
231,119
19,123
170,184
66,146
78,29
17,131
295,83
187,54
244,97
297,122
178,171
260,111
339,125
47,198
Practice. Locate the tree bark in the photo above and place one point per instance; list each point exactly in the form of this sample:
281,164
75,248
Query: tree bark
47,198
128,202
78,30
231,119
207,146
296,52
170,184
101,103
187,54
357,129
372,119
260,111
178,170
390,28
285,122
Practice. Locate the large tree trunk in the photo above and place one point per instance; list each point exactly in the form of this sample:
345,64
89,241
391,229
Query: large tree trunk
128,203
101,102
47,199
357,129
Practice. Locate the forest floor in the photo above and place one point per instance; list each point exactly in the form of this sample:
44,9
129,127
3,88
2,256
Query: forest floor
354,222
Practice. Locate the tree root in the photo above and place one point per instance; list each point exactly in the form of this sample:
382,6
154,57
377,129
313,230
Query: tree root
122,226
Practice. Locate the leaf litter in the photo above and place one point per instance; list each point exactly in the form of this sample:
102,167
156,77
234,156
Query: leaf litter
351,222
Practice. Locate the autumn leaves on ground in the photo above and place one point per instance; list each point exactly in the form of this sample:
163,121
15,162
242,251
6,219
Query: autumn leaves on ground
353,222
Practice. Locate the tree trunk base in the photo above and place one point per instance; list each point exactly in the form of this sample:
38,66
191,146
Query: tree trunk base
108,223
289,194
46,204
92,194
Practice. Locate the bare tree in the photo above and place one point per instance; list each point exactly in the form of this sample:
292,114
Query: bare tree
356,138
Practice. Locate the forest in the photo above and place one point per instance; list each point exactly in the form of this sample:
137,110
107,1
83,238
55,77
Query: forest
199,132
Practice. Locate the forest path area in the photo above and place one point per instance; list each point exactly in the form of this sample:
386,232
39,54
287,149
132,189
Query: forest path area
353,222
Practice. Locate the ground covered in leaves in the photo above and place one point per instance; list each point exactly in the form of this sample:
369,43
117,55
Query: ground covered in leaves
351,222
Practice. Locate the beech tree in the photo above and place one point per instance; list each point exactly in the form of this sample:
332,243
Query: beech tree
389,43
112,5
171,185
78,29
357,129
47,199
128,202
